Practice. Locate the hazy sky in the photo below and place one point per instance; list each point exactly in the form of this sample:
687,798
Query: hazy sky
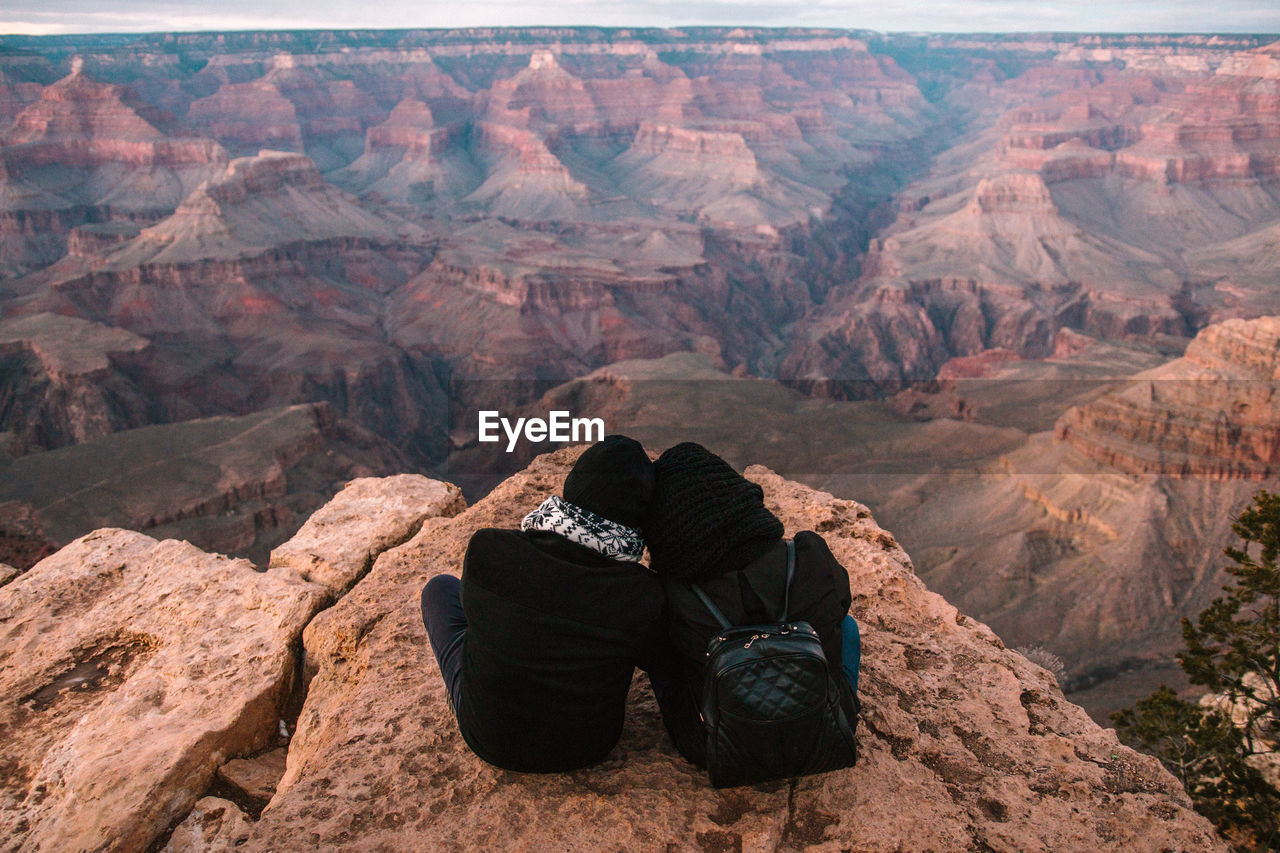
65,16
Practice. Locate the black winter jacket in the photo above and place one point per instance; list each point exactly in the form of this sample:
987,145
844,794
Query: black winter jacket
554,632
819,595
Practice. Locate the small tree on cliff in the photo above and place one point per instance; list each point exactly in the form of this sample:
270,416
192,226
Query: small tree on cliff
1233,649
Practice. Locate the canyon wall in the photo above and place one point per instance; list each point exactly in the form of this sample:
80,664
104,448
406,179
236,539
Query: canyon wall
1098,534
1211,414
238,485
377,225
1129,201
844,210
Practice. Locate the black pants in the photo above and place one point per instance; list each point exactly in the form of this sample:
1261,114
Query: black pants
446,629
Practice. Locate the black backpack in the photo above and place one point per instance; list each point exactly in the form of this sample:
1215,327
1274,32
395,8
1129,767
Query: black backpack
771,708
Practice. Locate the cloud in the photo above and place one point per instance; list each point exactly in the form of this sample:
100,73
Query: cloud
53,16
51,21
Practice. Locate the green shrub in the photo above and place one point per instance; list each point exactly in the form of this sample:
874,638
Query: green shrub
1233,649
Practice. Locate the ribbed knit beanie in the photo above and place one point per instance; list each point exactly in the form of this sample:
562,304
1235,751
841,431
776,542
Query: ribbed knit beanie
706,519
614,479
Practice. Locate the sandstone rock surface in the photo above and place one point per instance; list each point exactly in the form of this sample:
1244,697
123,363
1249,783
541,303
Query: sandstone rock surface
22,541
215,825
130,669
338,543
964,744
257,777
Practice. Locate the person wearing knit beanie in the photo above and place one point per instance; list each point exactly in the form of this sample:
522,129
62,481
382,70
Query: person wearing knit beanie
613,479
706,518
538,641
708,525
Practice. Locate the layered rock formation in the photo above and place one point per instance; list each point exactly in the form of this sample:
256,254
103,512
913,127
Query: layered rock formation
65,380
1137,202
1091,563
606,145
87,151
249,116
1214,413
22,76
259,203
1099,535
963,742
264,287
82,122
235,485
575,197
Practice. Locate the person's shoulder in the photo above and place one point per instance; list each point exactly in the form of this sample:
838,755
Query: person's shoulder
493,541
487,536
812,550
498,533
817,565
812,543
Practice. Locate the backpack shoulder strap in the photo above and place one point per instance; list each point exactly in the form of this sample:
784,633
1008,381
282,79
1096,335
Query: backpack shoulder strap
715,611
786,591
791,570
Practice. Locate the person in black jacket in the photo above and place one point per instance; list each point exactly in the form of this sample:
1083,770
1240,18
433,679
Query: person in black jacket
708,525
538,642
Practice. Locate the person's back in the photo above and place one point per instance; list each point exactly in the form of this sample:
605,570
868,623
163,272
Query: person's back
709,526
538,642
554,632
753,594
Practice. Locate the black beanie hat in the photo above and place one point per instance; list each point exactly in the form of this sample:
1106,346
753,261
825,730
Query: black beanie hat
614,479
706,519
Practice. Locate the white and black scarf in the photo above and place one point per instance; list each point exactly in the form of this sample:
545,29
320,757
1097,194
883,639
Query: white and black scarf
556,515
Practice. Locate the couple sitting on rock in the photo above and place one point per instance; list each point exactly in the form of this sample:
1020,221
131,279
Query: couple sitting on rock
538,641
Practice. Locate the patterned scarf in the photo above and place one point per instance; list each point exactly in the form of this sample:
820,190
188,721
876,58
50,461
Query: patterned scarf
556,515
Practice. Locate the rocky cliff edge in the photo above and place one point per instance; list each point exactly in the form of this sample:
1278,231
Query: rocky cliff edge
132,670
